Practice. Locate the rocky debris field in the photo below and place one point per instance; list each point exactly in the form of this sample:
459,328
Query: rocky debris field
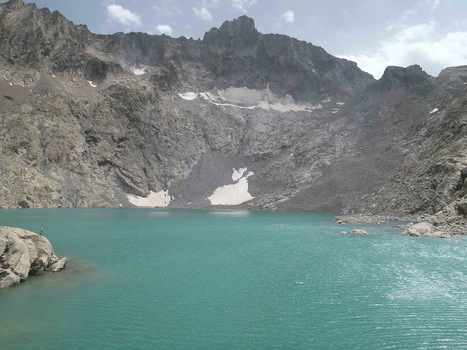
411,225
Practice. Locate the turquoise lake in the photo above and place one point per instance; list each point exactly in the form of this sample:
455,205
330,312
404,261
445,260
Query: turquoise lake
219,279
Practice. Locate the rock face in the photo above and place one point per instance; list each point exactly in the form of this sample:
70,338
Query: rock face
24,253
93,120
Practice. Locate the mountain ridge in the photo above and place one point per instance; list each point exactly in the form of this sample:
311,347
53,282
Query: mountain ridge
98,120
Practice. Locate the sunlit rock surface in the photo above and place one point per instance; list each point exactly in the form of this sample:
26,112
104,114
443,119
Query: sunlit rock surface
24,253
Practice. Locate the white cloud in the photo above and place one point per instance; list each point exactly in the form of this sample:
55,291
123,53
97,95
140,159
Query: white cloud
289,16
167,8
123,16
417,32
407,14
415,45
164,29
433,4
243,5
202,13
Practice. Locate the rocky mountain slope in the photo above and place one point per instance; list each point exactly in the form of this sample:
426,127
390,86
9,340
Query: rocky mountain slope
237,119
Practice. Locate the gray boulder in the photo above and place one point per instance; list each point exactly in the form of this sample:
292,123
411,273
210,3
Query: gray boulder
15,256
8,278
425,229
59,265
359,232
355,232
24,253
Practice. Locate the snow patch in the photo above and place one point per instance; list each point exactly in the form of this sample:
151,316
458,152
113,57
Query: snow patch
159,199
11,84
139,71
232,194
245,98
340,103
434,110
237,174
90,83
189,96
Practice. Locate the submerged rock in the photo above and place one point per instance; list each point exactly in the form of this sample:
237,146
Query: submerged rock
24,253
359,232
59,265
355,232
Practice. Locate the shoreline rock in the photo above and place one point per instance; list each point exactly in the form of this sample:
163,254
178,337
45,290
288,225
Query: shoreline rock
434,225
357,219
24,253
425,229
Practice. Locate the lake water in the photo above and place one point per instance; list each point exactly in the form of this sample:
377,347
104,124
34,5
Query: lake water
213,279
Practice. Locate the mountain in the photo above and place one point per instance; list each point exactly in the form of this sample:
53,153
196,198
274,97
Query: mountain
238,118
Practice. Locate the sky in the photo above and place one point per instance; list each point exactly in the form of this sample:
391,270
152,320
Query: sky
373,33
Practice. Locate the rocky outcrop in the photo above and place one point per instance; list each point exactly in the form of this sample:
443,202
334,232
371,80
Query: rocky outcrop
24,253
237,34
425,229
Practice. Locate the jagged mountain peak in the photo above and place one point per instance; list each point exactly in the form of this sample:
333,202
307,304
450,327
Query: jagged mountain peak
242,23
454,77
396,72
412,78
15,2
33,37
16,5
458,70
242,30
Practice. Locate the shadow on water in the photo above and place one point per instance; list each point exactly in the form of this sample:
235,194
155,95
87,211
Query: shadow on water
75,273
230,213
39,297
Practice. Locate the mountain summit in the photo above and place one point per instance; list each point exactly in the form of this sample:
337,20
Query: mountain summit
240,31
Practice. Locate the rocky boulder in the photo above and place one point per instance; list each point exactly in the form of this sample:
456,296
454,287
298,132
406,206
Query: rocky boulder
425,229
359,232
59,265
356,232
24,253
8,278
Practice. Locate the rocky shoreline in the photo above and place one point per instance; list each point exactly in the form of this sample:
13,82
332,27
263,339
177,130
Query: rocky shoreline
24,253
413,225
